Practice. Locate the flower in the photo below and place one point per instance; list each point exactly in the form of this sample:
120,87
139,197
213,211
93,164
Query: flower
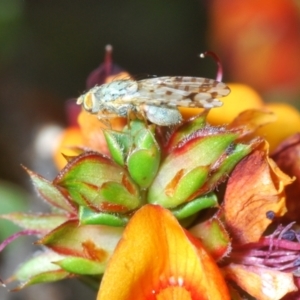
166,213
254,197
169,263
255,191
97,195
286,120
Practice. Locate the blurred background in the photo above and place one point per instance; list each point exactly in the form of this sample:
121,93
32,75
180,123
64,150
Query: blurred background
48,48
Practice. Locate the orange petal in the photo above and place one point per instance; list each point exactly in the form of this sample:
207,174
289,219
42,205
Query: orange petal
156,260
245,35
255,187
261,283
91,128
71,137
119,76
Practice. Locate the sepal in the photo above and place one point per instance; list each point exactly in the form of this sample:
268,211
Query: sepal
95,181
144,158
214,237
193,207
51,193
40,268
81,266
95,242
185,170
90,217
118,144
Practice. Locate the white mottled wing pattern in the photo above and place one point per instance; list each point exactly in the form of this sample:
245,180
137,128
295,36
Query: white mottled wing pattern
181,91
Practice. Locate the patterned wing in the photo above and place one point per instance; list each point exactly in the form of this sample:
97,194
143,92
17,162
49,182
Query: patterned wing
181,91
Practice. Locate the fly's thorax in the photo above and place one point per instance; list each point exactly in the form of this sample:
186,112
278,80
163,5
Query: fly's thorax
117,89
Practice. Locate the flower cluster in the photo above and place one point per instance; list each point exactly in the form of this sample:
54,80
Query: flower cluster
190,212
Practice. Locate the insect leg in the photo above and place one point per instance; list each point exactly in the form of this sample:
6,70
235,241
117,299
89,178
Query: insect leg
105,117
136,114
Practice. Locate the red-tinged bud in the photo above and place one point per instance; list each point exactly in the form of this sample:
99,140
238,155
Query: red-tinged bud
95,181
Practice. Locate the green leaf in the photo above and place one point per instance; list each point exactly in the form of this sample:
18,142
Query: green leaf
144,139
117,194
89,217
143,166
87,241
228,164
44,277
144,159
193,159
118,144
187,185
39,264
214,237
81,266
190,208
51,193
186,129
135,126
41,222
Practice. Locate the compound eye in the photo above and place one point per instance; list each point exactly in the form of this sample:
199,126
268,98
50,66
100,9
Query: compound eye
88,102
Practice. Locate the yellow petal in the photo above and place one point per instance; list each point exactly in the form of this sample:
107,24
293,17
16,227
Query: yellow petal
287,124
242,97
156,260
252,119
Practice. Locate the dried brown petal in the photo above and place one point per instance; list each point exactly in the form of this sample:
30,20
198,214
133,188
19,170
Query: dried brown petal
287,157
255,187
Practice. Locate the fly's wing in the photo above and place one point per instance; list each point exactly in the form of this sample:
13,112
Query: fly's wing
181,91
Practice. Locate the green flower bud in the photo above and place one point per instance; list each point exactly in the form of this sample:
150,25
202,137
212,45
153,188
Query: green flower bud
95,181
186,169
143,161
